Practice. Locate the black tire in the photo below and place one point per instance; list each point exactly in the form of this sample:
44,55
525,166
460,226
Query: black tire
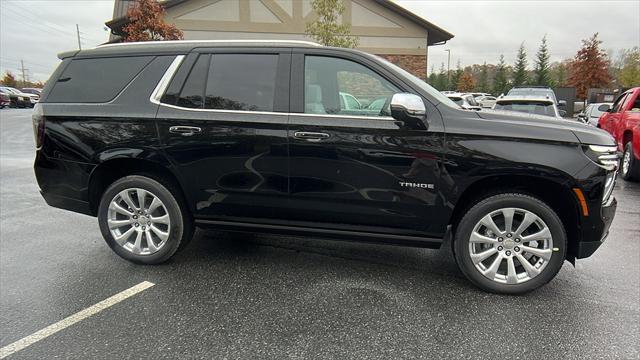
181,229
509,200
633,171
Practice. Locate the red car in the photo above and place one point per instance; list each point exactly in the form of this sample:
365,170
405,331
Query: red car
622,121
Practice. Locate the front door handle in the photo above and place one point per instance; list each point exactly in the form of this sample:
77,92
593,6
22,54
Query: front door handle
185,130
310,136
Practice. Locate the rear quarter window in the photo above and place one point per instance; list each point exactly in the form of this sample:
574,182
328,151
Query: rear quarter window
96,80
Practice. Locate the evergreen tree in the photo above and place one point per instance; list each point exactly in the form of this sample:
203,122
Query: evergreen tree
500,81
433,77
541,72
520,76
455,76
483,79
441,80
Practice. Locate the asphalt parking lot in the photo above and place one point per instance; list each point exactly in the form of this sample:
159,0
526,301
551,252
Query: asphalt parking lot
233,295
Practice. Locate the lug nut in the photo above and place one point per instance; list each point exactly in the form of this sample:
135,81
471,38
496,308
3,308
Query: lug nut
508,252
137,224
148,222
517,240
516,249
143,227
135,216
500,248
500,239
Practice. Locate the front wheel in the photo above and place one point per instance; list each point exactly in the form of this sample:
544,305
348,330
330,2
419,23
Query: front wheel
510,243
142,220
630,169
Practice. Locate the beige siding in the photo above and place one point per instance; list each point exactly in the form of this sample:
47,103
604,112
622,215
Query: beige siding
380,30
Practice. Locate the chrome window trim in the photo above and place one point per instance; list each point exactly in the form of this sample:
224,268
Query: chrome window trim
163,84
160,89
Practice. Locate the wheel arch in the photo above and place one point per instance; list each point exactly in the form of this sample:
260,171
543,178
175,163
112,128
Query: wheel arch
558,196
114,168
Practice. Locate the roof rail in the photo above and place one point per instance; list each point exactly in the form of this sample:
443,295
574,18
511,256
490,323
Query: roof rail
299,42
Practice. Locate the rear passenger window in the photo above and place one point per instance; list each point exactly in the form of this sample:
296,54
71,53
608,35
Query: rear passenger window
241,82
192,93
229,82
96,80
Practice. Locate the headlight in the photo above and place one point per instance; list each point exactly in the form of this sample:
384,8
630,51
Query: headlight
605,156
608,186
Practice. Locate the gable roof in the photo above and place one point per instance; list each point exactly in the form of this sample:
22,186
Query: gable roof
437,34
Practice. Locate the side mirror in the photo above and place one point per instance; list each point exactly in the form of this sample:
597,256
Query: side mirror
604,108
409,109
562,113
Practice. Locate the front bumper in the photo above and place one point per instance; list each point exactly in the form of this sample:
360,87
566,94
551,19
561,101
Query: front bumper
587,248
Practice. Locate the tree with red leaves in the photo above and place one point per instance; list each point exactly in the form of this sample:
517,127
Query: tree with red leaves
146,23
589,68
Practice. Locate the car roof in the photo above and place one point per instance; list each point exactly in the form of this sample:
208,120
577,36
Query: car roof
524,98
182,46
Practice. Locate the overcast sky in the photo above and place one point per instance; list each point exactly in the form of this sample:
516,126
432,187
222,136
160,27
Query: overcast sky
36,30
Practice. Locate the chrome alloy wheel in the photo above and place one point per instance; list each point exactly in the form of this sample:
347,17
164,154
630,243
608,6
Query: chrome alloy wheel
510,245
138,221
626,162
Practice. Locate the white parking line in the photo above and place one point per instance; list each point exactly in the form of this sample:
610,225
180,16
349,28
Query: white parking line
77,317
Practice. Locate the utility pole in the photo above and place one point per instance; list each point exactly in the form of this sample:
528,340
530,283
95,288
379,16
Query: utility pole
448,67
24,78
78,33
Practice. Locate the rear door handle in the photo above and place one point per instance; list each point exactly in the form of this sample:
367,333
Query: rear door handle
310,136
185,130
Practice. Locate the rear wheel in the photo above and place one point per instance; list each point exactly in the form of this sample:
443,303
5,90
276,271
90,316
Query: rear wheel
142,220
630,169
510,243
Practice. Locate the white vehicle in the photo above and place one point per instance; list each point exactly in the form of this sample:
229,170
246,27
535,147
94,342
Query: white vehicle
486,101
466,101
535,105
477,95
592,112
33,98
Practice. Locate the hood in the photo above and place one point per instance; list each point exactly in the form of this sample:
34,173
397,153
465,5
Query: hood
585,133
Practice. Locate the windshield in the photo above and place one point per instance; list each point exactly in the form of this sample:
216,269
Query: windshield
457,100
529,107
420,83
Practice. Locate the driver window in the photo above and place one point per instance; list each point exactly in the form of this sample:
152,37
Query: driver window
617,105
342,87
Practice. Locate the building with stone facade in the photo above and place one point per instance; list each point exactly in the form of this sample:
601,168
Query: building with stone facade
383,27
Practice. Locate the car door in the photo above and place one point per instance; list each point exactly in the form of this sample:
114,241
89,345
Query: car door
222,123
358,167
611,120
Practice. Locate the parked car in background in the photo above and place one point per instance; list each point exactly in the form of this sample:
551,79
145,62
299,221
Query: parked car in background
476,95
34,91
16,97
5,100
591,114
529,104
486,101
466,101
622,120
539,91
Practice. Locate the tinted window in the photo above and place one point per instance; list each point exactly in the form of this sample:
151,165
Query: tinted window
241,82
96,80
529,107
338,86
192,93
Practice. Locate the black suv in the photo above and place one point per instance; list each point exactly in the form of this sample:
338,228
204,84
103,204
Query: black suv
291,137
